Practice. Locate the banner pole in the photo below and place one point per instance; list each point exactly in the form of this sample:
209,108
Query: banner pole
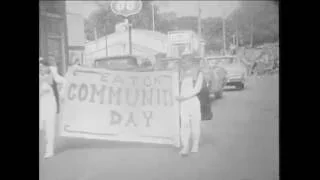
179,91
130,36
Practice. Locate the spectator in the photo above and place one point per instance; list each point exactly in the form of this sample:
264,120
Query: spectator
191,84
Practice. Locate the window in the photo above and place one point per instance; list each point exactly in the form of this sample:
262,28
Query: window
55,7
54,27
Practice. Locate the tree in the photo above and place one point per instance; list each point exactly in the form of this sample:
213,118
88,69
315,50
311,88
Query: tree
89,30
143,20
164,22
255,21
258,21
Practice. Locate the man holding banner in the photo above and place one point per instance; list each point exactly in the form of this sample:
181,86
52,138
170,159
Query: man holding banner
191,83
49,101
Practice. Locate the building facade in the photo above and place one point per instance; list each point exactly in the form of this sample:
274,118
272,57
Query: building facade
76,38
53,39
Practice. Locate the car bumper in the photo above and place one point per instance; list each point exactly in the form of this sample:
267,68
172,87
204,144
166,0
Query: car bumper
234,80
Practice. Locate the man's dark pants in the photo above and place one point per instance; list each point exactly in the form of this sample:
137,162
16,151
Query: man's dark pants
205,102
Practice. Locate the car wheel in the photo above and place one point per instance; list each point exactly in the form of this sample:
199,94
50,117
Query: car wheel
241,86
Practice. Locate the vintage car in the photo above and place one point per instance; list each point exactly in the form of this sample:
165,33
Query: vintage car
213,77
123,63
236,73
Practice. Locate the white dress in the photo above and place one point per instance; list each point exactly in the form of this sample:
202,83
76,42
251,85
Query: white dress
190,107
190,111
47,108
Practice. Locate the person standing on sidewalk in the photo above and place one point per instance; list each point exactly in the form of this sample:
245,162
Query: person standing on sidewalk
49,97
191,83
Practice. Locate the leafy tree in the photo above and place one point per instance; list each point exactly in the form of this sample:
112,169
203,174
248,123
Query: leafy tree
164,22
255,21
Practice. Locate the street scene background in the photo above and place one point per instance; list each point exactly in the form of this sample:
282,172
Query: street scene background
240,141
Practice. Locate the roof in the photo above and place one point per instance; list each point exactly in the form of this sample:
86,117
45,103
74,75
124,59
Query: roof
220,57
155,34
115,57
168,59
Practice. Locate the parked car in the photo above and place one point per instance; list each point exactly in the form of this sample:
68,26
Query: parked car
123,63
214,77
236,73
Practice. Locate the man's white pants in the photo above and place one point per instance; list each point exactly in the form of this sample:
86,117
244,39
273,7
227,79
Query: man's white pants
48,114
190,123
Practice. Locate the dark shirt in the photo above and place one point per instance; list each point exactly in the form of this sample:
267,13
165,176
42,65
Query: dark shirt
56,94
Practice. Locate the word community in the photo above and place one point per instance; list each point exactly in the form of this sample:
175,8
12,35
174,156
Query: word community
111,95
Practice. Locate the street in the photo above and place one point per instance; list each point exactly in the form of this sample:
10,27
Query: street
240,143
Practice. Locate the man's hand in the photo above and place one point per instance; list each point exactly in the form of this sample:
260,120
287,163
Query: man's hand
180,98
62,100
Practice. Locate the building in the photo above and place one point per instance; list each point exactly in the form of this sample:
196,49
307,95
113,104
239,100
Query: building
76,38
53,39
144,43
181,41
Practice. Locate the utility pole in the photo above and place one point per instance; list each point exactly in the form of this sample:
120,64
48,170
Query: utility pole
199,26
251,32
95,34
130,35
106,36
224,35
237,29
153,23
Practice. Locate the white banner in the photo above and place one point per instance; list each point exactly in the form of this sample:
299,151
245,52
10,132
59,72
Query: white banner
121,106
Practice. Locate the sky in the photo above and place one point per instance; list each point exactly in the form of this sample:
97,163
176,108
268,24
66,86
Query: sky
181,8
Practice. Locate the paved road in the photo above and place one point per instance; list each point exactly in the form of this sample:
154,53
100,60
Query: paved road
240,143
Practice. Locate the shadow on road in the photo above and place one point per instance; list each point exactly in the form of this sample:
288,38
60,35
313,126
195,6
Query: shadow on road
231,89
64,144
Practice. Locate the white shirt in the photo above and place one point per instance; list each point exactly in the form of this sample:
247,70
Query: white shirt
188,89
61,81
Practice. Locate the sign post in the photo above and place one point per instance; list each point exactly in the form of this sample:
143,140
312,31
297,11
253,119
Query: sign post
126,9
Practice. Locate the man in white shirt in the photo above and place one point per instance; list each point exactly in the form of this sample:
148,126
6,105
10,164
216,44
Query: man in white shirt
191,83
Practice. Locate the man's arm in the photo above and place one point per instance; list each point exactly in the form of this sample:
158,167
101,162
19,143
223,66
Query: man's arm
59,79
197,87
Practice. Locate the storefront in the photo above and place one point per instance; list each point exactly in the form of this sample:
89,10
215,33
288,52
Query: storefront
52,33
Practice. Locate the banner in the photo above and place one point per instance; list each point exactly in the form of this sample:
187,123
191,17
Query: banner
121,106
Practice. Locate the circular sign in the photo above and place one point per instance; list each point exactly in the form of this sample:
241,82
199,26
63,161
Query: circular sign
126,8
